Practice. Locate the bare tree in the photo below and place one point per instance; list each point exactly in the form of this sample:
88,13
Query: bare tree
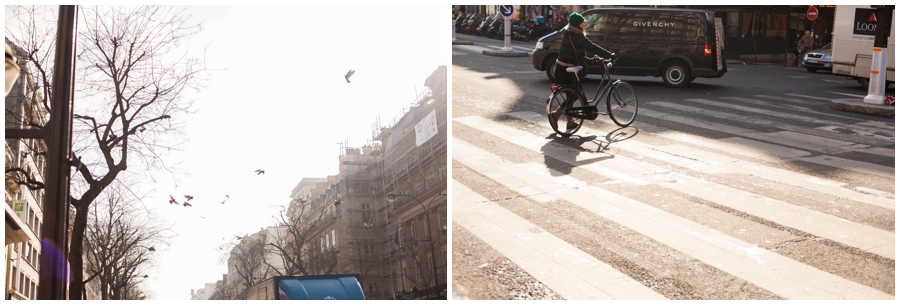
296,245
131,80
120,241
417,256
248,258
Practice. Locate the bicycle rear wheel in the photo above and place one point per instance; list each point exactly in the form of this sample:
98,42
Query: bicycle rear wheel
622,104
559,101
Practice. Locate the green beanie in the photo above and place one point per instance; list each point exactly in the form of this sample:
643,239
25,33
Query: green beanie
575,19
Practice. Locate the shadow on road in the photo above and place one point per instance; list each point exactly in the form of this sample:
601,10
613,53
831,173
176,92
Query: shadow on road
562,161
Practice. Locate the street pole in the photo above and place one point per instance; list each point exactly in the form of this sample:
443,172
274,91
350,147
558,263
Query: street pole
506,33
879,54
54,274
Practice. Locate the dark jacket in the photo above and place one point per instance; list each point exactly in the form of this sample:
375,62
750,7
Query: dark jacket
570,55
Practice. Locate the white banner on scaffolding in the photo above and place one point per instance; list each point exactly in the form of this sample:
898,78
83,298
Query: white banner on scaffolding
426,129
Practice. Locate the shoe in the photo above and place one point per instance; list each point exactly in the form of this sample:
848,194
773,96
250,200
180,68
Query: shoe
571,126
554,117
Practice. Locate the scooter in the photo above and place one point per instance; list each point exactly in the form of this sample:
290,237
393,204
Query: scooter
483,27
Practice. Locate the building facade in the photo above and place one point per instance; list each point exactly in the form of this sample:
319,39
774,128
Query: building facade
24,206
752,32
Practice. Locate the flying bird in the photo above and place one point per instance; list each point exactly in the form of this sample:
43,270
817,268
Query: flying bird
349,74
187,204
172,200
238,237
188,197
258,172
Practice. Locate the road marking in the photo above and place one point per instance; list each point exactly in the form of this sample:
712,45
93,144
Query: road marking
845,94
763,122
750,148
857,166
814,222
568,271
768,270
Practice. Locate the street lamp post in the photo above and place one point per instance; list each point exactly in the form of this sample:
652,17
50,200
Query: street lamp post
392,197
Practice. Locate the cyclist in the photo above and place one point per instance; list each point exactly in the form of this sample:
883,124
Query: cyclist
571,51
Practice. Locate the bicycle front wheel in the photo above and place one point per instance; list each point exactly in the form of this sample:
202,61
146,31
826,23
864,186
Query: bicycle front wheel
622,104
559,101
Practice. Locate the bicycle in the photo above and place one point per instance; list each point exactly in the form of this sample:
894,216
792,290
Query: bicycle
621,101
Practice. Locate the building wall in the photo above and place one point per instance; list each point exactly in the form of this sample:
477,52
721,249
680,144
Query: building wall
24,213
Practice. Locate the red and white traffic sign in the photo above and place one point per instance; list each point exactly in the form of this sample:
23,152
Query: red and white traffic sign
812,13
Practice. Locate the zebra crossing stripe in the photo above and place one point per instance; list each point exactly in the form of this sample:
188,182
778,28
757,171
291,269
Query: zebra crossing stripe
786,115
817,223
750,148
570,272
803,133
768,270
788,138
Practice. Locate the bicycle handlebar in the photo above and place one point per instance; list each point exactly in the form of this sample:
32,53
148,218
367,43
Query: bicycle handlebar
608,62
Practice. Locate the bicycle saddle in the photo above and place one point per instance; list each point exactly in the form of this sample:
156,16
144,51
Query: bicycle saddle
574,69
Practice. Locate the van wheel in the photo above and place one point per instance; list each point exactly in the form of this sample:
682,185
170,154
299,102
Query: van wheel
550,67
676,75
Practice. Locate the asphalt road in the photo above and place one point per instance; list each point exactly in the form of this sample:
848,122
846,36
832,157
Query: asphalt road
744,187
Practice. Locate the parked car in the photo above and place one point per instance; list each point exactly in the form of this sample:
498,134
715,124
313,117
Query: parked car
818,59
677,44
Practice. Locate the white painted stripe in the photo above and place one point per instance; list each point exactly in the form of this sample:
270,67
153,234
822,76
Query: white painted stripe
787,138
778,114
845,94
568,271
881,151
760,121
837,229
853,165
768,270
782,176
749,148
813,142
861,130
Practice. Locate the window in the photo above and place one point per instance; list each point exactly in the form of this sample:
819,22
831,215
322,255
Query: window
764,25
443,215
415,233
373,287
327,241
369,249
334,241
367,218
595,24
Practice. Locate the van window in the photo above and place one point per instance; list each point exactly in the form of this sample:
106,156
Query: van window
652,23
595,24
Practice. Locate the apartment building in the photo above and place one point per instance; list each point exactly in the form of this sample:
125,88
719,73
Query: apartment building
24,206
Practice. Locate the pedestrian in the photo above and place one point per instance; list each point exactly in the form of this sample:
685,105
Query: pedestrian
804,46
571,50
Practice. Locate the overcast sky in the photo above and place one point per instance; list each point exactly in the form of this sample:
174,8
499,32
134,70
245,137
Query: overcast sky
283,106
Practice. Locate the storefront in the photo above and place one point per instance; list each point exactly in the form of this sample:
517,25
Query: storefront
770,30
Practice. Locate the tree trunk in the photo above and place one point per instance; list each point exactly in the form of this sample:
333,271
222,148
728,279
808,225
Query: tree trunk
76,260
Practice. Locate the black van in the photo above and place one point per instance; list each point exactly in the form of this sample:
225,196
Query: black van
677,44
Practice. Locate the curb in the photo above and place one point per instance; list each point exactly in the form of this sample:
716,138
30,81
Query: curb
460,42
504,53
857,105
